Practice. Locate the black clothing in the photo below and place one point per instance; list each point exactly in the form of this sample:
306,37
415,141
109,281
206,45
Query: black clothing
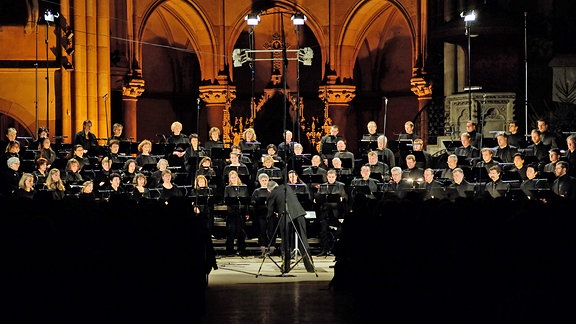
540,151
332,199
23,194
414,173
434,190
212,144
506,154
565,186
203,198
469,152
549,139
527,186
39,178
260,212
394,191
475,138
286,150
142,160
517,140
406,136
49,155
570,157
387,156
88,142
343,155
364,187
177,139
380,169
137,195
283,203
325,151
235,221
167,194
463,190
496,188
9,182
274,173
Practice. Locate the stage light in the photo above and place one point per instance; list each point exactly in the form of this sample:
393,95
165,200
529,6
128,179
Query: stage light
252,19
49,16
298,19
470,16
239,57
305,55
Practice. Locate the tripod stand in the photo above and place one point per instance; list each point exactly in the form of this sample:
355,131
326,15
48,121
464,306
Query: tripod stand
283,200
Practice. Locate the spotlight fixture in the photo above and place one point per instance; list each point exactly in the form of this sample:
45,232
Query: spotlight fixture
468,16
298,19
49,16
252,19
70,50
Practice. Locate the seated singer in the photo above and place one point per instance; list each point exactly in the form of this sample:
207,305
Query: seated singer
282,197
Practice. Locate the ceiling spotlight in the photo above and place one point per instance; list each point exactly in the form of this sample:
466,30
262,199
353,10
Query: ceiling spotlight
468,16
298,19
252,19
49,16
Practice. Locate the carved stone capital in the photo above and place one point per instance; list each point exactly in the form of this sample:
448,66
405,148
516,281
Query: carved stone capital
337,94
217,94
134,87
420,86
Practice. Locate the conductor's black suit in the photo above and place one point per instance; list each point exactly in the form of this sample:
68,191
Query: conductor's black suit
280,199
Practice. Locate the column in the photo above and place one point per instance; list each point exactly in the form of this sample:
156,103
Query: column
130,93
217,99
423,89
338,98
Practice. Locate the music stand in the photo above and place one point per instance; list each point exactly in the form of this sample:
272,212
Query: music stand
312,178
451,146
367,145
328,149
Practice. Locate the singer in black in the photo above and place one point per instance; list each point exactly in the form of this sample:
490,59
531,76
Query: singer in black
235,220
283,204
332,199
87,139
260,211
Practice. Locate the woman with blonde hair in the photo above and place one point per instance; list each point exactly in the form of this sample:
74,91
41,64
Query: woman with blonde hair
25,187
234,194
55,184
144,156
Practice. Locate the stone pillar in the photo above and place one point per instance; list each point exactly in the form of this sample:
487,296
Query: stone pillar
217,99
338,98
423,89
130,93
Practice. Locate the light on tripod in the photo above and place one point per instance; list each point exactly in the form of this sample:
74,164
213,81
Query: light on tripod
49,16
469,16
252,19
298,19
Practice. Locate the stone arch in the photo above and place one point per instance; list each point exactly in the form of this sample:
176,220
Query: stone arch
356,27
202,38
20,114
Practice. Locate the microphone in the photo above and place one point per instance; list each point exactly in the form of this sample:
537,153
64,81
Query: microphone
198,100
385,100
105,97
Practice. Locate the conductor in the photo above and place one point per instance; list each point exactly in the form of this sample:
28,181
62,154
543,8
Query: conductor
279,198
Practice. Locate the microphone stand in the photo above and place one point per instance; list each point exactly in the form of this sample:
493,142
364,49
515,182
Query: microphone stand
385,114
198,101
